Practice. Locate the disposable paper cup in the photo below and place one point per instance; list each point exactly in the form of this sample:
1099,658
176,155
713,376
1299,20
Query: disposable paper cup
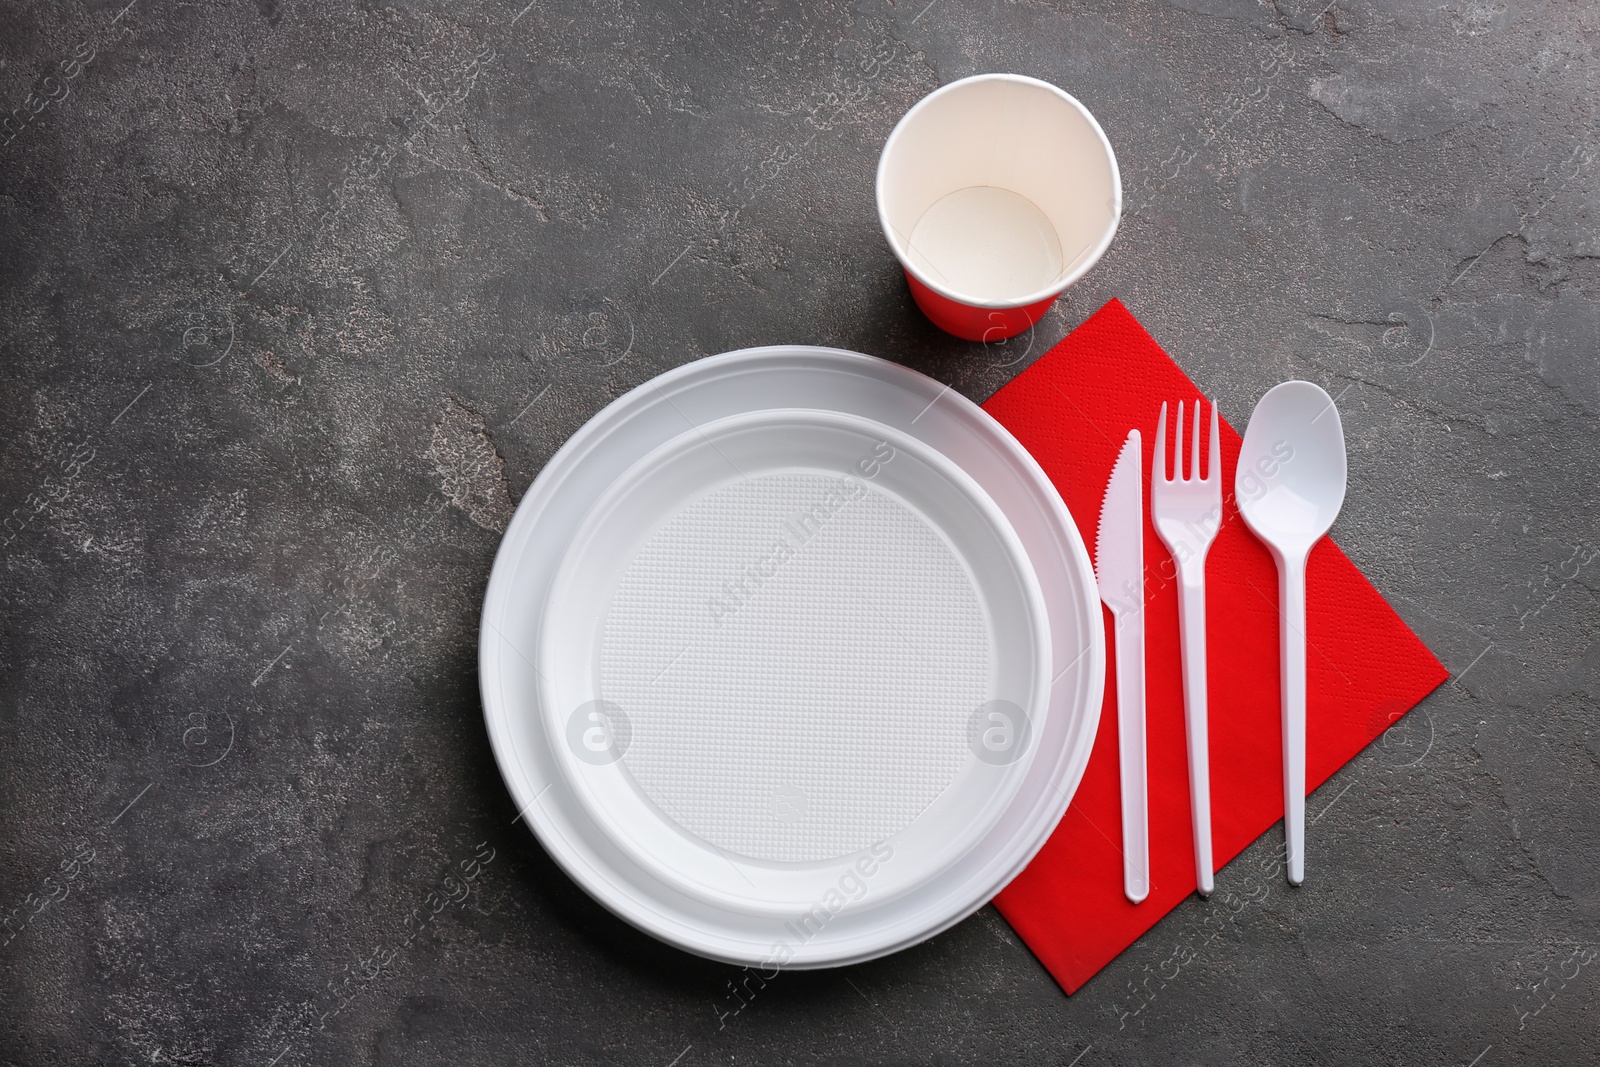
996,192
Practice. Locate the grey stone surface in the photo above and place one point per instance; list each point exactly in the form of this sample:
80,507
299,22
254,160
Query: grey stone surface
296,299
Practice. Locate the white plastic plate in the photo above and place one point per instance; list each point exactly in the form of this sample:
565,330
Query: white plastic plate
778,641
774,712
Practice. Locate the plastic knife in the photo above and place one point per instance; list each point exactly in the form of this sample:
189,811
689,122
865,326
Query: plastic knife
1119,571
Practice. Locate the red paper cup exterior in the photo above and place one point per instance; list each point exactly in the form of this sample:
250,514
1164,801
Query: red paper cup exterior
1012,132
973,323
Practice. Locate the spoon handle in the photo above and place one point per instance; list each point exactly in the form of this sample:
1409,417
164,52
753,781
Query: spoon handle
1292,656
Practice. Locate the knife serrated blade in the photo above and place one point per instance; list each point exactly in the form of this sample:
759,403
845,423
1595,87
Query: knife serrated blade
1119,542
1119,571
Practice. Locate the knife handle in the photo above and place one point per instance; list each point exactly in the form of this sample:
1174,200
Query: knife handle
1131,754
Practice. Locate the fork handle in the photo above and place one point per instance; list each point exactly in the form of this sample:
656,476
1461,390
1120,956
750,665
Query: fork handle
1192,633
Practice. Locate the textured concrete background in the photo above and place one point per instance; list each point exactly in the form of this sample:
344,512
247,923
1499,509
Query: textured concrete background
295,301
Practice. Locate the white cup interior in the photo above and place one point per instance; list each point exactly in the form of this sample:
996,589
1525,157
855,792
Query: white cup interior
998,190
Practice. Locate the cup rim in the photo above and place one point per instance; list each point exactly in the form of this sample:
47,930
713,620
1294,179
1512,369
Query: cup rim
1055,288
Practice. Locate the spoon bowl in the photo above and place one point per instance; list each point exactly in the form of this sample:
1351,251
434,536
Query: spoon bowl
1290,482
1289,486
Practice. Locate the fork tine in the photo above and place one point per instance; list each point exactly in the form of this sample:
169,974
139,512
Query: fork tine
1161,446
1194,446
1177,444
1215,464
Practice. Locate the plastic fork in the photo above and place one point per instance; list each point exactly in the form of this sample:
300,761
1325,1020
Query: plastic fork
1187,512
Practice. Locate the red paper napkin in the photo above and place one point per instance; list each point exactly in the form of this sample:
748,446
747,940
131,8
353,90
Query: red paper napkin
1072,409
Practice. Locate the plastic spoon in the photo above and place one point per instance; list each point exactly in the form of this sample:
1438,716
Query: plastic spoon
1289,485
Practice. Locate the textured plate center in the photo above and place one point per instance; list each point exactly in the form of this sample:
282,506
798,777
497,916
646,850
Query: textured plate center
798,656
